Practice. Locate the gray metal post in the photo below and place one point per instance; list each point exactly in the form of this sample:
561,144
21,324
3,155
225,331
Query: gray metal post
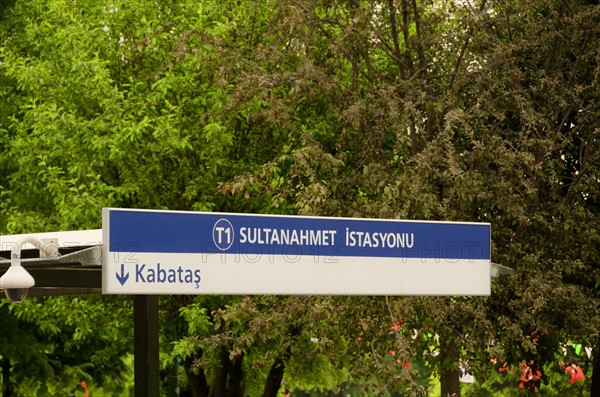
146,363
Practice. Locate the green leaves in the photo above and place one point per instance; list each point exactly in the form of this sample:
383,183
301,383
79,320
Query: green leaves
66,338
390,110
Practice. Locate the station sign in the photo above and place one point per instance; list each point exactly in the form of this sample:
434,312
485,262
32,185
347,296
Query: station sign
176,252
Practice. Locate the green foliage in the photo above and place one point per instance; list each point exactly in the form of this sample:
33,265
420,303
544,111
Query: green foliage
66,340
484,112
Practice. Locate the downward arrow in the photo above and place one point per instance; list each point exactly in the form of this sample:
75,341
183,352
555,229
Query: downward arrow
122,278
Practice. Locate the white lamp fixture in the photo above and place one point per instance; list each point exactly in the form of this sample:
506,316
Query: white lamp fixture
17,281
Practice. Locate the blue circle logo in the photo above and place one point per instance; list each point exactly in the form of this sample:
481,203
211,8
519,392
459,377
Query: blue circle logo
223,234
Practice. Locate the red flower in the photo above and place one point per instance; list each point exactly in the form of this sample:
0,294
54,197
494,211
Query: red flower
83,384
406,364
396,326
531,377
504,366
534,338
399,360
575,372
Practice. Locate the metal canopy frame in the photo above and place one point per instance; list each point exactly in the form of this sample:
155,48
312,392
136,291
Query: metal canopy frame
78,270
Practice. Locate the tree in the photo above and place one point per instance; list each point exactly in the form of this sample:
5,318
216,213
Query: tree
471,112
49,345
485,139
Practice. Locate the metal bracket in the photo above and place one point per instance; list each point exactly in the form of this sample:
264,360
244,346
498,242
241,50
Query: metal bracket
498,270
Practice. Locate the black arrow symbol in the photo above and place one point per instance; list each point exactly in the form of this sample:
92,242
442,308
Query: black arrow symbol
122,278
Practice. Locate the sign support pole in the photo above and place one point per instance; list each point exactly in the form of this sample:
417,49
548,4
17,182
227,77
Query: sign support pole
146,362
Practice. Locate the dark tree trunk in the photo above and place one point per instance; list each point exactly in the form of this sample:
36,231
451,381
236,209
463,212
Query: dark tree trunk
173,381
196,383
449,372
236,378
274,378
218,387
7,387
596,372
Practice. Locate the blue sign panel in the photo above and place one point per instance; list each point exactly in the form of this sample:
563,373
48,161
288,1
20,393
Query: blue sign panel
150,231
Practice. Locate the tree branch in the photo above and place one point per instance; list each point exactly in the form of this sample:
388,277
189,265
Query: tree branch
406,34
397,52
463,49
